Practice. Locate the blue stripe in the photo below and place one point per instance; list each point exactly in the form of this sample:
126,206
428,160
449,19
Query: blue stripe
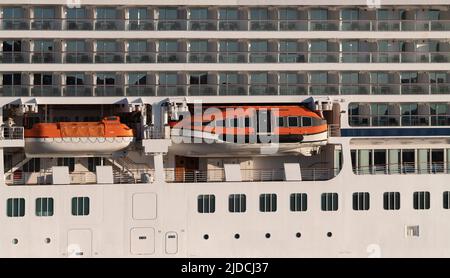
357,132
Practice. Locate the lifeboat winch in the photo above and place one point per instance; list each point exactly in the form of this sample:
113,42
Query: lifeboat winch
78,138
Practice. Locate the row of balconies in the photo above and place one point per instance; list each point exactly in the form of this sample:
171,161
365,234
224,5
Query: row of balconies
220,89
225,18
399,114
224,51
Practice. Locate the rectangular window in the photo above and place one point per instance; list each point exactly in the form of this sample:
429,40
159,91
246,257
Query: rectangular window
329,201
15,207
421,200
391,200
44,207
80,206
237,203
268,202
299,202
361,201
446,199
206,203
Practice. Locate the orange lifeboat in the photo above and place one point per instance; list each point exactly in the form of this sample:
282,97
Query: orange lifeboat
78,138
290,123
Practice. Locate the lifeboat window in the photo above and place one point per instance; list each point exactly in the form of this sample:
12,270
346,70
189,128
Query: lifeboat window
111,118
293,121
281,121
306,121
235,122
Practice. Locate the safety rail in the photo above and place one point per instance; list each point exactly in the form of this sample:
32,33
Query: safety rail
220,56
247,175
403,168
209,24
78,177
11,133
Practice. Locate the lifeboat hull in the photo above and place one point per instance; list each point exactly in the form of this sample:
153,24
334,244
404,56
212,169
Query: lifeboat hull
75,146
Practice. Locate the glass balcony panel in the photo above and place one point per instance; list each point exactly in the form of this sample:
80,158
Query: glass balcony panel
388,25
14,91
140,58
13,57
324,90
385,89
77,91
232,58
140,90
354,89
413,89
168,25
262,90
54,24
202,25
202,90
171,58
141,25
79,24
292,57
355,57
78,58
46,91
323,25
44,58
109,58
356,25
437,88
263,25
232,90
293,89
263,58
108,24
108,91
323,58
15,24
171,90
386,57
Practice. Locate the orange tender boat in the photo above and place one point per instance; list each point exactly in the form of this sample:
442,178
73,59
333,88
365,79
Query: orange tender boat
78,138
291,123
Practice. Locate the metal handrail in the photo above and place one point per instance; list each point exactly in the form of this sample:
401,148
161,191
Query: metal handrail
11,133
404,168
247,175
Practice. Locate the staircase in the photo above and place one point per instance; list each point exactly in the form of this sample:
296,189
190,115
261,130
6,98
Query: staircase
123,177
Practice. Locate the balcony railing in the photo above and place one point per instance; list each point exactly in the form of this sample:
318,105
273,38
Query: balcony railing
400,120
44,177
247,175
11,133
120,57
109,24
404,168
219,89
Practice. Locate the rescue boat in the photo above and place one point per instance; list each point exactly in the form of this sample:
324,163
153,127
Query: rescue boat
78,138
288,124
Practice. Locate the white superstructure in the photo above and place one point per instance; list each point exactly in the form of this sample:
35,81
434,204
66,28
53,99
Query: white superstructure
374,185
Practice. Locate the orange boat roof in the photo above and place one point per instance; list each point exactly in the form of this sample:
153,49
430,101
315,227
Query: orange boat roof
108,127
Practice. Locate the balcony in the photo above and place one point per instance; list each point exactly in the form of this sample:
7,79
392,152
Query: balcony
202,25
141,25
404,168
12,137
202,58
79,25
202,90
172,25
13,57
78,57
109,58
247,175
140,90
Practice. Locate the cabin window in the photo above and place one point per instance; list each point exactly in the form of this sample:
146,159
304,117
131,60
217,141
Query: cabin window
391,200
361,201
44,207
446,198
268,202
293,121
15,207
299,201
67,161
306,121
33,165
80,206
206,203
329,201
237,203
421,200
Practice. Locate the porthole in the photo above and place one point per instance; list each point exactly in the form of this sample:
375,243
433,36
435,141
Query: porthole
298,235
206,236
15,241
329,234
237,236
267,235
